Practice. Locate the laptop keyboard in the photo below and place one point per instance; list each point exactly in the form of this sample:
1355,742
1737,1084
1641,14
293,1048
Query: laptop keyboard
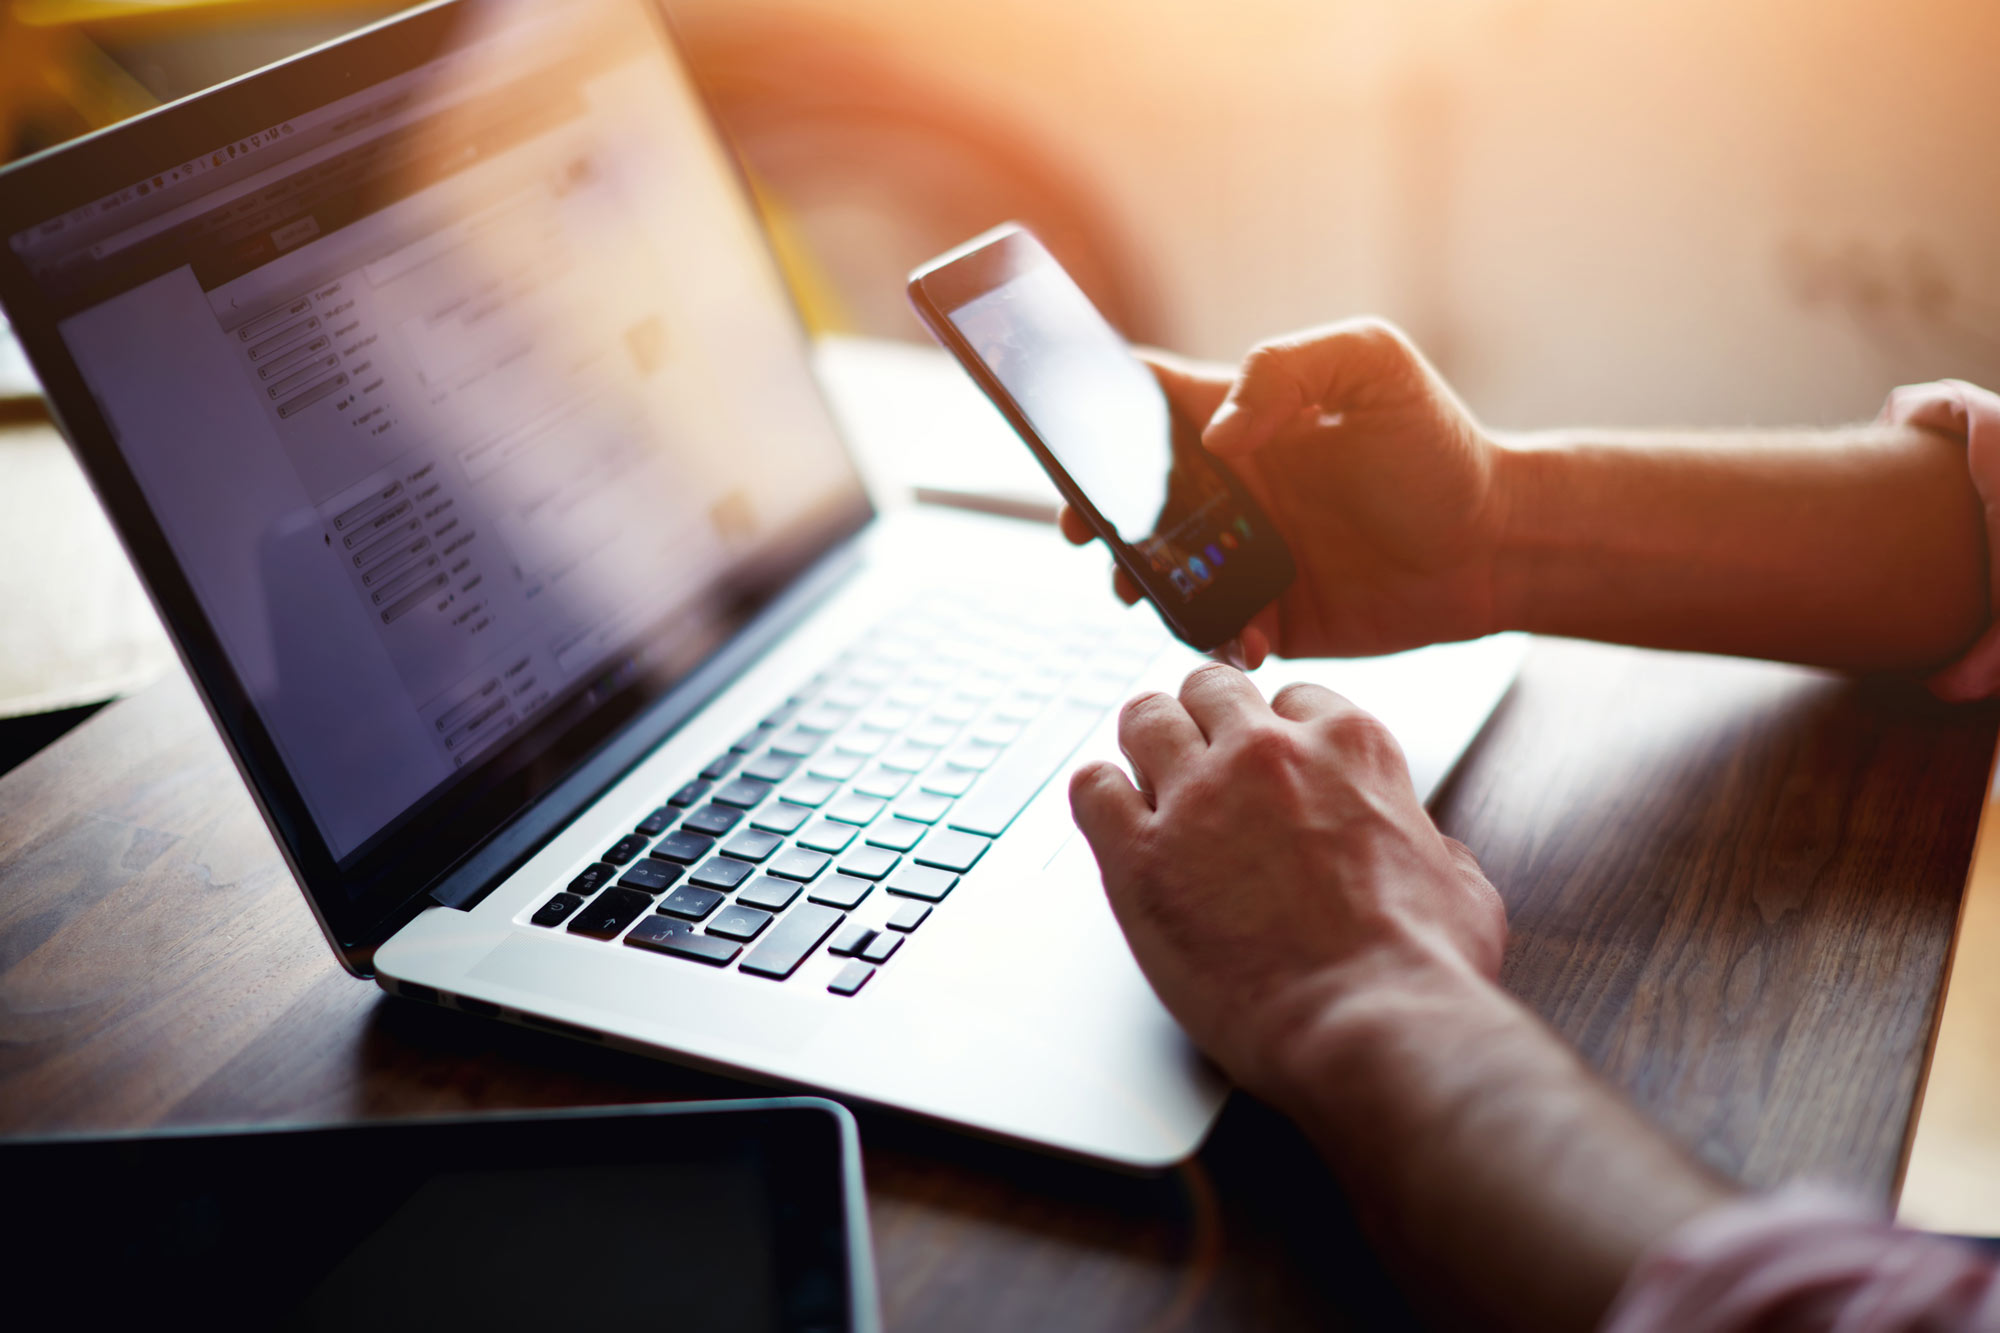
862,802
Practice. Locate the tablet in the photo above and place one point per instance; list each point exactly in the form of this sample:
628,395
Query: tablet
706,1216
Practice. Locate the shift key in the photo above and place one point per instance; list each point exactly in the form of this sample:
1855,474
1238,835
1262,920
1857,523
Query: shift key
796,935
1024,768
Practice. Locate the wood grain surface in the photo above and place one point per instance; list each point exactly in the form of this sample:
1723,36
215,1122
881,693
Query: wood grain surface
1732,886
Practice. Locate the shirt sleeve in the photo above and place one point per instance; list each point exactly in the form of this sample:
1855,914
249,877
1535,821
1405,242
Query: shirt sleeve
1971,415
1807,1259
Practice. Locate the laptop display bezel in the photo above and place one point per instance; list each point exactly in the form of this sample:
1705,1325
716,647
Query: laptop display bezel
395,875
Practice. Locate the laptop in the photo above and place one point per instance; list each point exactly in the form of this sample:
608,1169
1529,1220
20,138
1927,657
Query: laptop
450,406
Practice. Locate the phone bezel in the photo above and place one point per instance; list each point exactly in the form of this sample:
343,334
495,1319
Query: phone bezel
1244,587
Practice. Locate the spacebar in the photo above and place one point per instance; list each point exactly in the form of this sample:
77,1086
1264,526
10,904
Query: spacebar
1028,763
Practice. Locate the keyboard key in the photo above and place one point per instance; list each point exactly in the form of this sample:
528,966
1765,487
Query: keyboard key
719,766
842,891
797,743
751,740
823,718
782,714
861,742
903,757
880,781
772,895
738,922
624,849
609,912
955,710
653,825
780,817
1028,765
849,940
908,916
835,766
948,849
923,806
769,768
721,872
552,912
882,947
921,882
798,863
898,834
682,846
752,845
742,793
712,819
945,780
869,862
885,717
932,735
593,878
855,808
1018,708
650,875
827,836
811,791
974,756
663,934
849,695
851,978
996,733
690,902
689,794
912,696
788,943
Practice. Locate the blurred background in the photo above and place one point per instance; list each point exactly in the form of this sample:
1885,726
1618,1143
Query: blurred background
1696,212
1703,211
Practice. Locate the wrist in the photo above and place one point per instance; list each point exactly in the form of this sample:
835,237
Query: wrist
1348,1022
1523,476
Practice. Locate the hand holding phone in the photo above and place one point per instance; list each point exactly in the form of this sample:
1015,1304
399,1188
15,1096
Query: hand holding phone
1179,523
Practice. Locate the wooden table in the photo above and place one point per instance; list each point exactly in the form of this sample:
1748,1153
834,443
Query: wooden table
1732,885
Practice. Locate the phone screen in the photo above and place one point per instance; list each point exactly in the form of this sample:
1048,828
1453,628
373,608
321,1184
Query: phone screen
1098,409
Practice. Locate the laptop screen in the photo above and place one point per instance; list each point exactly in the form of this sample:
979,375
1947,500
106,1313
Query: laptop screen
468,401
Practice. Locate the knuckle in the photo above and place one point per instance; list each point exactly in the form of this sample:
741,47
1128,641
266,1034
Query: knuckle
1142,709
1303,696
1205,676
1271,749
1363,734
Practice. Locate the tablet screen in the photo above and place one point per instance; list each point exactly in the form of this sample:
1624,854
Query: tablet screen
724,1220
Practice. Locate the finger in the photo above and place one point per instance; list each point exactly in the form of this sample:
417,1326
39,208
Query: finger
1126,587
1107,807
1160,739
1302,701
1074,527
1194,389
1284,378
1220,698
1255,646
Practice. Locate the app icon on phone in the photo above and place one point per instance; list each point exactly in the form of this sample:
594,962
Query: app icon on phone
1214,554
1182,583
1199,568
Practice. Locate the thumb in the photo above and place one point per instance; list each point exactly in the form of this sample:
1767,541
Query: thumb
1268,393
1193,389
1285,378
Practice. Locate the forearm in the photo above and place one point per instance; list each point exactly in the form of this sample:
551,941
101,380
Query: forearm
1861,548
1507,1183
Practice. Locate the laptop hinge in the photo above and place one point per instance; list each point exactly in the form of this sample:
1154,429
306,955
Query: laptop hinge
456,894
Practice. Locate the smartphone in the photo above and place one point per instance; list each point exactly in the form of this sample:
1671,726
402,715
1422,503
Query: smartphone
1175,517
